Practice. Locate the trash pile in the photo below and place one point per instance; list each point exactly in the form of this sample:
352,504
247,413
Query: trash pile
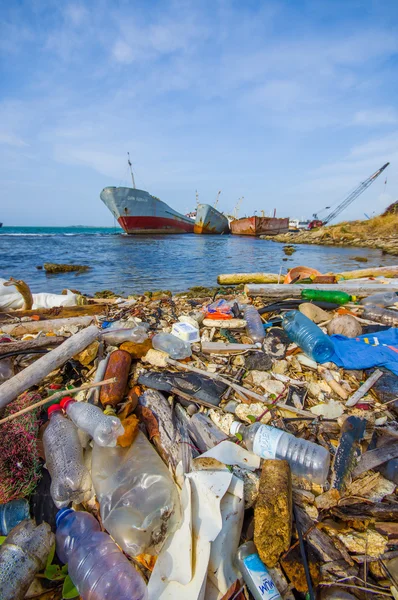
219,448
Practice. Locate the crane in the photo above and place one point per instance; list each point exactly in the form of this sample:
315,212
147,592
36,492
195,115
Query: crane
217,199
131,168
237,207
347,201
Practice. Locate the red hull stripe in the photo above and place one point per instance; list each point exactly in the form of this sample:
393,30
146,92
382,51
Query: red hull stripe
142,224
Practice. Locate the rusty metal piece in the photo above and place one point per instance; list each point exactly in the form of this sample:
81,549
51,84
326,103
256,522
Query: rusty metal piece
259,226
348,452
118,366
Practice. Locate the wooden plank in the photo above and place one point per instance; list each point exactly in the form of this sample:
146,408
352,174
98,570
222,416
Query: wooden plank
37,326
360,290
59,312
239,278
374,458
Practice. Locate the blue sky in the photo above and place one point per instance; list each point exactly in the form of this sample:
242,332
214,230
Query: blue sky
287,103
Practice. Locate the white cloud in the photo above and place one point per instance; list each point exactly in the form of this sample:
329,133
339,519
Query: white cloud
377,116
122,52
10,139
76,13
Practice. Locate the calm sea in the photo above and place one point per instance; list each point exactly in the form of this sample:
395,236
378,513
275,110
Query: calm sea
128,264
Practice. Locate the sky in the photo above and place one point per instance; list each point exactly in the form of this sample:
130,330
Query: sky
288,103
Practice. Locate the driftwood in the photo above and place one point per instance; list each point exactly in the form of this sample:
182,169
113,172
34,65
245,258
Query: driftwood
33,374
374,458
23,345
46,326
59,312
391,271
239,278
379,511
360,290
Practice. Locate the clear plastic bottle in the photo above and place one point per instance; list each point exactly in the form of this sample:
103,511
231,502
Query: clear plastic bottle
137,335
70,480
12,513
172,345
139,501
97,567
255,573
254,327
337,296
23,554
311,339
306,459
383,299
89,418
381,315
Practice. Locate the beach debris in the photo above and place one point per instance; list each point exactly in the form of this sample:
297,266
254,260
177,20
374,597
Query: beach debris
64,268
344,325
118,366
364,388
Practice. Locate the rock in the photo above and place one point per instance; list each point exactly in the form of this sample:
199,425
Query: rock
276,343
156,358
359,258
280,367
61,268
273,512
136,350
344,325
86,356
331,410
258,361
313,312
246,412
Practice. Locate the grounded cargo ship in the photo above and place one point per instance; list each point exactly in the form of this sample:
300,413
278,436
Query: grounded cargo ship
259,226
210,220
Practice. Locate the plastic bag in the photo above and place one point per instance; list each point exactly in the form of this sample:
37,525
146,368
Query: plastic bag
14,300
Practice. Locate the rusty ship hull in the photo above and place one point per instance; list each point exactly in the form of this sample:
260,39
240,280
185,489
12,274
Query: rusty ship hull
259,226
138,212
209,220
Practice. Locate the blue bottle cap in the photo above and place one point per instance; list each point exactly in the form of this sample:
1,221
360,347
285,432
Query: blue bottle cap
61,514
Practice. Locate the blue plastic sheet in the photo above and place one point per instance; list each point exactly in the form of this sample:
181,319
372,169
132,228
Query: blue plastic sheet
366,351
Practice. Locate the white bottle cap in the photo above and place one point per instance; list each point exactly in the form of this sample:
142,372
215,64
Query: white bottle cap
234,427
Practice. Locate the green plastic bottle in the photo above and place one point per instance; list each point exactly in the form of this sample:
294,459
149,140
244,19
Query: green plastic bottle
327,296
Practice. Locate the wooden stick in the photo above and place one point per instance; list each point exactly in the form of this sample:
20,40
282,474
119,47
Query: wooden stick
85,386
40,342
294,291
42,367
238,278
364,388
50,325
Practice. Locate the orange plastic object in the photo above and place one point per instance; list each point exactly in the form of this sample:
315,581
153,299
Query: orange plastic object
301,272
118,366
218,316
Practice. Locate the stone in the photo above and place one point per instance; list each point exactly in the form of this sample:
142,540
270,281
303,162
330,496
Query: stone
258,361
344,325
313,312
273,512
63,268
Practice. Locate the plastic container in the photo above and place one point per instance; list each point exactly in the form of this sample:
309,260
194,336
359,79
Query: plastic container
89,418
327,296
139,501
23,554
12,513
255,573
70,480
254,327
308,336
172,345
381,299
306,459
97,567
186,332
137,335
381,315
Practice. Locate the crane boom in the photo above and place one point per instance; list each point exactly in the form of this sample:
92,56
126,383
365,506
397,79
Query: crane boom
347,201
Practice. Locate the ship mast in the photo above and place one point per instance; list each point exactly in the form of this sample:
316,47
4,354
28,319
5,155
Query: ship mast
131,169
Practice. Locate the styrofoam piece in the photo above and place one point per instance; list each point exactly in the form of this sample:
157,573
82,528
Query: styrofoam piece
232,454
186,332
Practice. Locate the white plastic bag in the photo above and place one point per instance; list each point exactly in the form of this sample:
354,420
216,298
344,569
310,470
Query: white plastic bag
11,299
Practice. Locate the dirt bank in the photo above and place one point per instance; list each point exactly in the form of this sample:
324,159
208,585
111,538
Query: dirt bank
379,232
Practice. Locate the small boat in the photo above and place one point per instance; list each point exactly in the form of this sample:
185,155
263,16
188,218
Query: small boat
210,220
138,212
259,226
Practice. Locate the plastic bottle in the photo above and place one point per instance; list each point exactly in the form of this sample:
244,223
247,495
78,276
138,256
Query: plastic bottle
12,513
337,296
381,315
23,554
311,339
89,418
255,573
137,335
97,567
306,459
254,327
383,299
172,345
70,480
139,501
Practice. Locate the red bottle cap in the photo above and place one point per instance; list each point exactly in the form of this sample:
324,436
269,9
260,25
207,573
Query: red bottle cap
53,408
65,401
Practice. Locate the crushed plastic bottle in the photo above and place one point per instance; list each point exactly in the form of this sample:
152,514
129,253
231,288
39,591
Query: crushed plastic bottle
23,554
306,459
172,345
255,573
254,327
97,567
337,296
89,418
381,315
139,501
137,335
12,513
311,339
383,299
70,480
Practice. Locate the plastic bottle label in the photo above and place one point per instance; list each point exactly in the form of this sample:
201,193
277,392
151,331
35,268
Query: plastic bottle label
261,578
266,441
